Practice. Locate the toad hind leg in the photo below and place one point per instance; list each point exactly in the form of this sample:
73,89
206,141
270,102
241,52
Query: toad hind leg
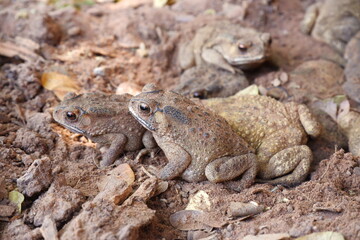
229,168
294,161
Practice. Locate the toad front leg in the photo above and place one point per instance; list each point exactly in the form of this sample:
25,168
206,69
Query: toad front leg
117,146
178,158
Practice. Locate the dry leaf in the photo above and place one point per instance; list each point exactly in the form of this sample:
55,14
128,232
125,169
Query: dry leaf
16,198
322,236
58,83
200,201
9,49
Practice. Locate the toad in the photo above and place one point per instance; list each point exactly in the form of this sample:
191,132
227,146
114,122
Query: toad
106,120
198,144
332,21
277,131
204,82
225,45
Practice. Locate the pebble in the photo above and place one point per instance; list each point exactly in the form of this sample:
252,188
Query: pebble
74,31
276,82
230,227
101,71
284,77
357,171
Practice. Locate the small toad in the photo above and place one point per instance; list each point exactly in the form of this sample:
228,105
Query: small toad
106,120
277,131
332,21
198,144
225,45
206,82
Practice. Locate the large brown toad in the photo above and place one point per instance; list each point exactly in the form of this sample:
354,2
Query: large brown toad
277,131
333,21
198,144
106,120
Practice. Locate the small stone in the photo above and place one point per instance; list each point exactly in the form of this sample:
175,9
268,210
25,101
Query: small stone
357,171
74,31
284,77
276,82
101,71
262,90
290,208
230,227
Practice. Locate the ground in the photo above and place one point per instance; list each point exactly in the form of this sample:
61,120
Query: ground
97,45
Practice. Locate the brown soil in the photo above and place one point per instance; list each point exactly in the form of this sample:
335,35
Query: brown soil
56,169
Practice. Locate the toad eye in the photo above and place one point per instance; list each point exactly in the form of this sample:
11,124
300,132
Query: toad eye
72,116
199,94
244,45
144,108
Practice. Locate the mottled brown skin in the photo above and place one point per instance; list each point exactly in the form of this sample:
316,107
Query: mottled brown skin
106,120
204,82
199,144
333,21
225,45
278,132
